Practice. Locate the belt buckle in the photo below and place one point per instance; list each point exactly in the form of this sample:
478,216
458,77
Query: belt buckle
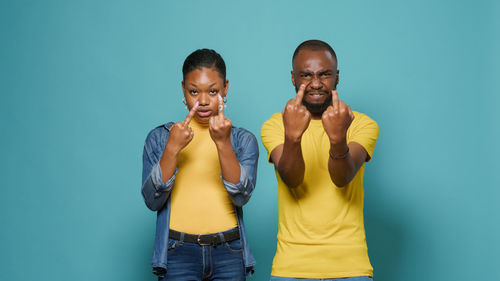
200,242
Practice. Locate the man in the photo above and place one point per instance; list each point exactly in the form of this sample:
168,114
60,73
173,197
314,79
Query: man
318,146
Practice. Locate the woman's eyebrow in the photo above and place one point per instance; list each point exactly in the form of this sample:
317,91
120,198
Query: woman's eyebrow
211,85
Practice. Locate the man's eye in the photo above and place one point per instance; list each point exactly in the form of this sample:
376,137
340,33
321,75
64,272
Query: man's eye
193,92
305,75
326,74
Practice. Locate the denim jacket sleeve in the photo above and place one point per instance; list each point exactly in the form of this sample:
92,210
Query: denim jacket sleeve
247,151
154,191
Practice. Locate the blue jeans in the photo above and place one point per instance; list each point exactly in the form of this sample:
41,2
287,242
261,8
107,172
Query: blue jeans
360,278
190,261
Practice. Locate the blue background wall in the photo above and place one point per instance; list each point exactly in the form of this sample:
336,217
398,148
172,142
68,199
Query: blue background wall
82,82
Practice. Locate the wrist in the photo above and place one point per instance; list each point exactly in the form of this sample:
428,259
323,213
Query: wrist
338,140
171,150
338,150
220,144
293,138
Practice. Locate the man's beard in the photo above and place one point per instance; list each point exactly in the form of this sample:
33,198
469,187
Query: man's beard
317,108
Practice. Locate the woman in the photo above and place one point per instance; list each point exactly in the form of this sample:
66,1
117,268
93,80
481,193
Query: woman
198,173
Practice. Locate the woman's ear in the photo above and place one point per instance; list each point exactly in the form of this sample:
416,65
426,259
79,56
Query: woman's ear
226,87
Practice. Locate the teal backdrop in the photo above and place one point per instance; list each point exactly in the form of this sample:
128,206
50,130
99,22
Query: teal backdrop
82,83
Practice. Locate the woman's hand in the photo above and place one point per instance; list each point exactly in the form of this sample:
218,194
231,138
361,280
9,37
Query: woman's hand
220,132
220,126
180,133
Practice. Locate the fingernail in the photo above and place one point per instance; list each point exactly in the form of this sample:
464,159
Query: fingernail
302,86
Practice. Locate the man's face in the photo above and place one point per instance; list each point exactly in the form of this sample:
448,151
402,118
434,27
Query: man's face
316,69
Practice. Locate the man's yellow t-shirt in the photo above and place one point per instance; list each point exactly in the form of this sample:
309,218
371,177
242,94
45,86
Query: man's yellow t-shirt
200,202
321,231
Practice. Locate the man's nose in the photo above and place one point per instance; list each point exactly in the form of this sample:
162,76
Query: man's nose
316,82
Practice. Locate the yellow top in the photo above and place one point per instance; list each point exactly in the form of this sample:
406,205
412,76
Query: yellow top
321,232
199,202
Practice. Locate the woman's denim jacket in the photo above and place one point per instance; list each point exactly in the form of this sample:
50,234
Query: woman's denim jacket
157,193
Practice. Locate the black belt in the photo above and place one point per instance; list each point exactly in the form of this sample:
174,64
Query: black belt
206,239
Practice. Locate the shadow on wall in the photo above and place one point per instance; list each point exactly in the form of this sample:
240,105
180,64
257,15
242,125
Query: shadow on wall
384,234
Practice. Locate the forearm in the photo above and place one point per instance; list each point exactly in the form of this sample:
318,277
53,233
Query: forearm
342,170
291,166
230,167
168,162
155,190
247,159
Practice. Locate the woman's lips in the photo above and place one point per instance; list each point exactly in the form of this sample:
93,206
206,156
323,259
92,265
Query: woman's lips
204,112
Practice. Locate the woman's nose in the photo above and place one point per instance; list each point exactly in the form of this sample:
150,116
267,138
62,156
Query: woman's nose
204,99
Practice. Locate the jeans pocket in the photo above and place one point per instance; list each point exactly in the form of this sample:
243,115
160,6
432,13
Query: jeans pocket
172,245
234,247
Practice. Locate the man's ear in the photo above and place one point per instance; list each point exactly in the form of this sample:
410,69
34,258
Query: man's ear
293,78
337,79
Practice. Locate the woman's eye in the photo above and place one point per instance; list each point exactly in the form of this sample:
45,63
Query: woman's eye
214,92
193,92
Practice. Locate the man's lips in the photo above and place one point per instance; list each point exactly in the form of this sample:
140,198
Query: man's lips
316,95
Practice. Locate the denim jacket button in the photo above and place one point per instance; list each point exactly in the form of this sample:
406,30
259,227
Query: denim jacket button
157,194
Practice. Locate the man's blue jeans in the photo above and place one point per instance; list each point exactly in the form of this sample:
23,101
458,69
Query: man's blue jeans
189,261
360,278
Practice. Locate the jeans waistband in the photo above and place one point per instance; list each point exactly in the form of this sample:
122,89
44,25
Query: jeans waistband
212,239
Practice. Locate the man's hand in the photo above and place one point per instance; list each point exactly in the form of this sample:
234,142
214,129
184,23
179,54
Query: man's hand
296,117
336,120
220,126
180,133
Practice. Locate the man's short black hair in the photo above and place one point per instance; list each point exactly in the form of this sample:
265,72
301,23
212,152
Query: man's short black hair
314,45
204,58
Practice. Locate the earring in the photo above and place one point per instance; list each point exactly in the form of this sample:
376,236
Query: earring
185,103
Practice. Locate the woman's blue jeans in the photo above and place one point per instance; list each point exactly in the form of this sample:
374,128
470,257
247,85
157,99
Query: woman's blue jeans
190,261
360,278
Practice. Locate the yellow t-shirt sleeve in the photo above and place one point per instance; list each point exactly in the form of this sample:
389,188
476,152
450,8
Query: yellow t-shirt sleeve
272,133
364,131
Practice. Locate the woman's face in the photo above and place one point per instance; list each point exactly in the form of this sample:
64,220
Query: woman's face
204,85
